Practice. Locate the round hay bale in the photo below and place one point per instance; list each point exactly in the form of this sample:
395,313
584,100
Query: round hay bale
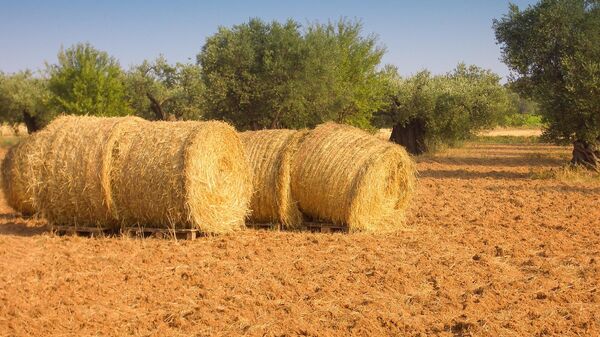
16,177
181,175
21,169
270,154
75,178
346,176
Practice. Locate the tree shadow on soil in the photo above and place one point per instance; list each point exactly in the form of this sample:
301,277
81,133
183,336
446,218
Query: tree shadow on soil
541,189
467,175
14,224
512,161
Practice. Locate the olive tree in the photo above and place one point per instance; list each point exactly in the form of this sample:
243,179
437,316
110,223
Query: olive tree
272,75
161,91
87,81
553,50
252,73
344,83
24,99
426,110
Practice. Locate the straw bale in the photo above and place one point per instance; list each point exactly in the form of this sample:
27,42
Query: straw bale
74,180
270,154
346,176
21,167
16,177
181,175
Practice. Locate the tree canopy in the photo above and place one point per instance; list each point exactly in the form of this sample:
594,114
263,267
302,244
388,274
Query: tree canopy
160,91
272,75
342,65
24,99
87,81
254,73
445,108
553,50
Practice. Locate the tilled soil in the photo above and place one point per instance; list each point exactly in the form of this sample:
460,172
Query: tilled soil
488,250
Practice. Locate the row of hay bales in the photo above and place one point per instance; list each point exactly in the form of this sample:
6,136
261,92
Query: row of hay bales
334,173
113,172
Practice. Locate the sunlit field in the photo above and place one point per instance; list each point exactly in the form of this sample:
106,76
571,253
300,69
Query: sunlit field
497,242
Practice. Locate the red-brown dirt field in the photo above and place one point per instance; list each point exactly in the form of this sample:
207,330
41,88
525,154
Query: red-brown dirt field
493,246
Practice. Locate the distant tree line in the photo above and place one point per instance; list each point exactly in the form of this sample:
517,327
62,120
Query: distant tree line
259,75
255,75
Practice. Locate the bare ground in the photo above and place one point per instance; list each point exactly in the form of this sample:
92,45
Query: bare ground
515,132
487,251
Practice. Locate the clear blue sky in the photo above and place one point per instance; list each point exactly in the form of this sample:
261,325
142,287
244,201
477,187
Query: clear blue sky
417,34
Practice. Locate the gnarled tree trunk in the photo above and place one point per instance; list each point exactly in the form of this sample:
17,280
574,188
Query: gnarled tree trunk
159,112
586,154
31,122
411,136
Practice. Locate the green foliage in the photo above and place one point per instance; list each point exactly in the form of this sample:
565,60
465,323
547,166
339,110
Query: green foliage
87,81
254,72
270,75
21,96
521,105
344,83
452,106
519,120
522,112
158,90
553,49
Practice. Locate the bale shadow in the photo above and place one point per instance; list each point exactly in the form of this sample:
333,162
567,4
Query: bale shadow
14,224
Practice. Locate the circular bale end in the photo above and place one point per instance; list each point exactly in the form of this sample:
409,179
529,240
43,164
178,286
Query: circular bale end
218,178
16,179
180,175
346,176
22,168
270,154
383,192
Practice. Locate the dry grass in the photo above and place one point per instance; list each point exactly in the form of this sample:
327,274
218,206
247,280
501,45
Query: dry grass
567,174
15,130
384,134
513,132
270,154
346,176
